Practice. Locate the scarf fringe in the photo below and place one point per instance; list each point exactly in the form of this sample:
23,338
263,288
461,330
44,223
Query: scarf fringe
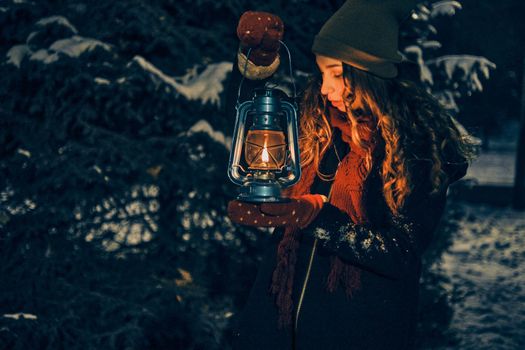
348,200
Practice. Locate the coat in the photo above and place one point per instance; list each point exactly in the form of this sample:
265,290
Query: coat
382,314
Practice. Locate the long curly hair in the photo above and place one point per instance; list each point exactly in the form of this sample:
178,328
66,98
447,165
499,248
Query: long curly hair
406,121
411,123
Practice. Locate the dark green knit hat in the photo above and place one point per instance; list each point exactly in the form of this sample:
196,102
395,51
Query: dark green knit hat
364,34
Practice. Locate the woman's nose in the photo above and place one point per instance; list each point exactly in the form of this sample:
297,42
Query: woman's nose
326,88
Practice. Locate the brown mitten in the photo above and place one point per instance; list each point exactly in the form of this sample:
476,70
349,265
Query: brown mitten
299,212
260,32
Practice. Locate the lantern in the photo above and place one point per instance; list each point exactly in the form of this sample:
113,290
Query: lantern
264,158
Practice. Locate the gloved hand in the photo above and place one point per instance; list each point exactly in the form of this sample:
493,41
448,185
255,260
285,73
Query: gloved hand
261,32
299,212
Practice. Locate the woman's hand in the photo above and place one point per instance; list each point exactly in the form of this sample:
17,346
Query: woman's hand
298,212
261,32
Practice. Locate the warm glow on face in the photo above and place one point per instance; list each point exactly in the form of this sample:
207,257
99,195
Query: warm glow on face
333,82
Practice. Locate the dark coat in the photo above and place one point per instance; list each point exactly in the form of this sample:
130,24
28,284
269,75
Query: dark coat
382,313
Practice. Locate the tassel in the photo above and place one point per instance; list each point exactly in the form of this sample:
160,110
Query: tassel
283,275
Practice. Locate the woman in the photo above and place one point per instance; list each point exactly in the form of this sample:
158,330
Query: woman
341,270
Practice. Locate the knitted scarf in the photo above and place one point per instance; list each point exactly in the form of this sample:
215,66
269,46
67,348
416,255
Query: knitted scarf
348,194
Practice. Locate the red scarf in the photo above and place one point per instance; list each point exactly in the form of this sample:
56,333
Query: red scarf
347,195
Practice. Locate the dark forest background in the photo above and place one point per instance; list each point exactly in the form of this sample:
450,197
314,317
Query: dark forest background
113,187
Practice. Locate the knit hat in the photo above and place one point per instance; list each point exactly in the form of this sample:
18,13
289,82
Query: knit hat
364,34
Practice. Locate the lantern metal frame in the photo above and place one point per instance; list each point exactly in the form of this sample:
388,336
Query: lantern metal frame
267,107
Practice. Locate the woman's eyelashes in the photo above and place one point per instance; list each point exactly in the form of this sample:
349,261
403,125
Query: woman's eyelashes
333,73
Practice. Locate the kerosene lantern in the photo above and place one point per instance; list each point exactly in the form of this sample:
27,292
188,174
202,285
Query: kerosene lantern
264,157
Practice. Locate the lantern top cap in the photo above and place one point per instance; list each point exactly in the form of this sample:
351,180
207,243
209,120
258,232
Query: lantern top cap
270,92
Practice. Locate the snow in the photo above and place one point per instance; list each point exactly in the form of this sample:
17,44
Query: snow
493,168
24,152
483,271
425,74
102,81
445,8
471,66
19,315
422,13
77,45
205,86
430,44
44,56
149,67
58,20
205,127
73,47
30,36
17,53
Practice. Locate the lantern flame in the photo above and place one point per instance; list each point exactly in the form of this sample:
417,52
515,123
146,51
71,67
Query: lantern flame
265,156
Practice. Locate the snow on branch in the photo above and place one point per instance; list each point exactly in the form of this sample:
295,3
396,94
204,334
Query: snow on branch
445,8
60,20
467,66
205,127
205,86
77,45
415,53
16,54
20,315
72,47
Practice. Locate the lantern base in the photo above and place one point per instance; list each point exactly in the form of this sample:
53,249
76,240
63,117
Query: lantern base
261,193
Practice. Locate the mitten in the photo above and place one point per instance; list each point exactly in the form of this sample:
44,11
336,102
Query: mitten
260,32
298,212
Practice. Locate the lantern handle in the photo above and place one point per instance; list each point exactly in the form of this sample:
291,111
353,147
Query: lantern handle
291,117
290,67
246,68
243,77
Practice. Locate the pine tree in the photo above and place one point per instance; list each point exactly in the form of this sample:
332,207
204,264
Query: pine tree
113,186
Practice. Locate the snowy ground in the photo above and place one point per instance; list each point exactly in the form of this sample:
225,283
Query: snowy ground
497,165
481,272
484,274
493,168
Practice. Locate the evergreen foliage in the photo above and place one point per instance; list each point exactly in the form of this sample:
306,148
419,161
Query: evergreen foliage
447,76
112,215
113,197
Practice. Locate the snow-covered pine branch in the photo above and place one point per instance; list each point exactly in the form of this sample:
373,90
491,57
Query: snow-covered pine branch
205,86
444,8
466,69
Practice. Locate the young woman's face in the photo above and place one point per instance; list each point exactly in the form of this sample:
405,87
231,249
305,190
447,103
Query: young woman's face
333,83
